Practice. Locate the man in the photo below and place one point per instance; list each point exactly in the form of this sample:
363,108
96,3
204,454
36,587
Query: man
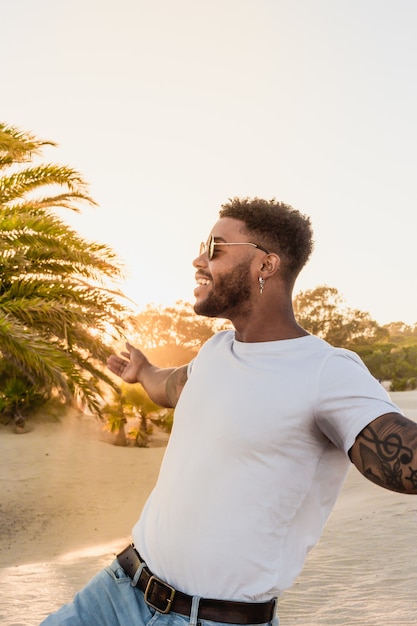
267,421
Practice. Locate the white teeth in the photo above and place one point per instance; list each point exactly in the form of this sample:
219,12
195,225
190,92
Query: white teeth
203,281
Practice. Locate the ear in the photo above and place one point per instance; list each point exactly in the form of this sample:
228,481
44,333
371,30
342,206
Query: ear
271,264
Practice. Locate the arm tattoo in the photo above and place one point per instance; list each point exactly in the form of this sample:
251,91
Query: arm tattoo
388,453
174,385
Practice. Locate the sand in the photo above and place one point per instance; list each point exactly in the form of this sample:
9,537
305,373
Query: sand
68,500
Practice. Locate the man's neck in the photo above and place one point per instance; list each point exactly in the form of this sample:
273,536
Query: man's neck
268,330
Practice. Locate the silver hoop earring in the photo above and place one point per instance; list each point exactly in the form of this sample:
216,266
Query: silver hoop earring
261,284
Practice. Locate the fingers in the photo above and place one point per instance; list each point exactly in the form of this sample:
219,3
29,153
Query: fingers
127,365
116,364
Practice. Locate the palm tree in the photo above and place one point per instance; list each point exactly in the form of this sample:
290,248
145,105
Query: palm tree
57,311
133,402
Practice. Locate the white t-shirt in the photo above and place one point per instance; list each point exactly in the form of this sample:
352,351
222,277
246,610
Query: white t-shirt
254,464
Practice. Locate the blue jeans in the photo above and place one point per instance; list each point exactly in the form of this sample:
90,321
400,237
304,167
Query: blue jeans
109,599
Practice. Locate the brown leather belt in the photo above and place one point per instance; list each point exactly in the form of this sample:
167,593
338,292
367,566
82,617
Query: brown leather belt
164,598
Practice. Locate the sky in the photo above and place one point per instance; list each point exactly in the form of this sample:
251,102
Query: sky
169,108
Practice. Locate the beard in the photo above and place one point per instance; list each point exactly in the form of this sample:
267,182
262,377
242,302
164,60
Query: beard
230,295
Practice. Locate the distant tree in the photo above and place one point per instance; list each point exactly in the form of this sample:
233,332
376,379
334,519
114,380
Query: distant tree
318,310
402,334
390,351
378,358
55,308
396,364
322,312
132,402
404,368
171,336
137,398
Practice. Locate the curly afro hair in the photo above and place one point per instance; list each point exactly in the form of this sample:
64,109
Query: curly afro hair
277,226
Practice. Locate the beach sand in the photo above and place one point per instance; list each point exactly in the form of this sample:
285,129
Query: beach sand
68,501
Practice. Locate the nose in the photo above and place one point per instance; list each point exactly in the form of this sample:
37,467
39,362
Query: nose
201,260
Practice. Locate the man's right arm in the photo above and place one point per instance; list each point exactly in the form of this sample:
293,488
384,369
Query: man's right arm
163,385
175,384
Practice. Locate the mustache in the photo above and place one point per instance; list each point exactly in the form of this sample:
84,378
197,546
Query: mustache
202,275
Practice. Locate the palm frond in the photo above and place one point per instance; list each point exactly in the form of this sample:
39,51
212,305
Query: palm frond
57,309
29,179
17,146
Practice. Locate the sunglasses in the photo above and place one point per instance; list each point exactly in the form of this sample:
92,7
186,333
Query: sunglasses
211,244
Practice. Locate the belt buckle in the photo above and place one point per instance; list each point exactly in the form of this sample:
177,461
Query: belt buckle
170,595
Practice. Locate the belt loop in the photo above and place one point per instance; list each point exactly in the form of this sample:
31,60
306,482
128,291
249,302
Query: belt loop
138,573
194,610
275,618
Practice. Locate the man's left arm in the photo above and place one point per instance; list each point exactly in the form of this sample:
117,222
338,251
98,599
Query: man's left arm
385,452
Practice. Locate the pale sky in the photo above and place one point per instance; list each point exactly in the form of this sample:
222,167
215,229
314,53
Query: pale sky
170,107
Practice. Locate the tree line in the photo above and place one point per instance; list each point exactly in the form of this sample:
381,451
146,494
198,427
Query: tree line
389,351
172,336
62,312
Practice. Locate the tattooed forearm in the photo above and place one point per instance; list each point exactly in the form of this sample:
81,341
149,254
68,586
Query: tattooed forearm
175,384
386,453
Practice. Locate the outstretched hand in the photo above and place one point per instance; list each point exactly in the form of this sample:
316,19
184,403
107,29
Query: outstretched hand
128,367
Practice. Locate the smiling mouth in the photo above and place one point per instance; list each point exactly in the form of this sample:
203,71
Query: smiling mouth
203,281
